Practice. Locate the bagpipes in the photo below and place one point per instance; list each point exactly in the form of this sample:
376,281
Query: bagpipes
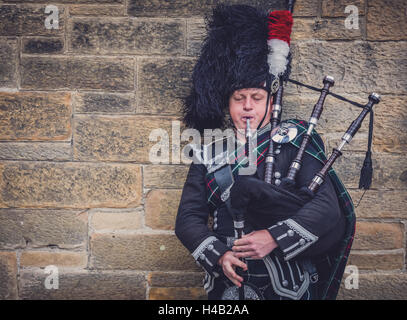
269,203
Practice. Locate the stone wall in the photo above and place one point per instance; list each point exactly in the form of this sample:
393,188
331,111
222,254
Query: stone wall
77,105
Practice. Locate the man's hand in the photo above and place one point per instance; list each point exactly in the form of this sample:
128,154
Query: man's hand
229,263
255,245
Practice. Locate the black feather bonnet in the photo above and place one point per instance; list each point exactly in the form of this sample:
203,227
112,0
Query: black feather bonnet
233,56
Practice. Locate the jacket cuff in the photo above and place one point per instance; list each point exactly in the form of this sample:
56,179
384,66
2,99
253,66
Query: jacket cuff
208,253
291,238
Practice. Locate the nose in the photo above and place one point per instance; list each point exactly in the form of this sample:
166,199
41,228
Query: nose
248,104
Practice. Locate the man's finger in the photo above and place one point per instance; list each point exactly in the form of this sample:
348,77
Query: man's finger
247,235
239,263
245,254
241,242
242,248
233,276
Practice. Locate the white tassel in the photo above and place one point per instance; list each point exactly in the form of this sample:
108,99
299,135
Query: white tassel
277,59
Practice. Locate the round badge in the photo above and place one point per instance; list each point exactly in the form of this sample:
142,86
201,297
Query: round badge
284,133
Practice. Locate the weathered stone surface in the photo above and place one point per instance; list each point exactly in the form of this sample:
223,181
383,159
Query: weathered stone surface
161,208
305,8
196,27
8,67
77,73
58,259
378,236
187,8
42,45
162,176
58,151
100,2
196,33
97,10
380,204
358,143
387,20
388,170
93,35
337,8
69,185
104,103
336,115
8,275
162,84
33,116
112,220
35,151
16,20
37,228
177,294
83,285
140,252
116,139
377,286
355,65
390,123
377,261
325,29
175,279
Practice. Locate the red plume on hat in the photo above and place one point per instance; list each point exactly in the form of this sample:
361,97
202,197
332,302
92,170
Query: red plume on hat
280,23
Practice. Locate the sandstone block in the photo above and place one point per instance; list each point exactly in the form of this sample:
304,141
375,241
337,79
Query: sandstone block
116,139
58,151
77,73
325,29
390,123
380,203
83,285
377,261
159,252
377,286
387,20
110,219
336,116
337,8
177,294
8,275
58,259
69,185
104,103
354,65
34,116
162,84
175,279
8,57
164,176
379,236
43,45
93,35
96,10
37,228
196,33
17,20
388,170
161,208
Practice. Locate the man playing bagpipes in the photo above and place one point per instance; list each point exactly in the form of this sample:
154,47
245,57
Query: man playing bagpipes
280,232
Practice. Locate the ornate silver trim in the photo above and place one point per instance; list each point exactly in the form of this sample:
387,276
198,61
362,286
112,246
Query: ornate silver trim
278,289
203,246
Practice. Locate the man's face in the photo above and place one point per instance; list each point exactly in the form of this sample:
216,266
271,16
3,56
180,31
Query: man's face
249,104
